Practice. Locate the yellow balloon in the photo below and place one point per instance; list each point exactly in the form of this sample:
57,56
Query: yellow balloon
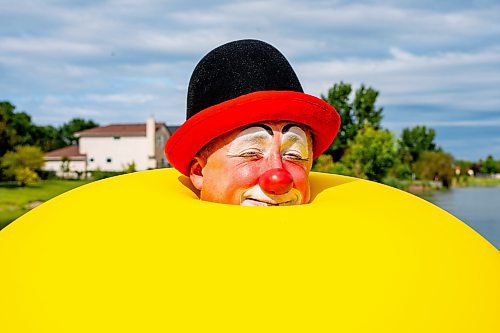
140,253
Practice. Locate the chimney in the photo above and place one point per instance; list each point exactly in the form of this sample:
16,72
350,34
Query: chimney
150,137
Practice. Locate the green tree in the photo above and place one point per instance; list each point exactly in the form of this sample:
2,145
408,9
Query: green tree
338,97
16,128
464,167
489,165
324,163
435,165
371,154
65,162
8,135
354,114
401,170
67,131
364,108
414,141
22,164
47,138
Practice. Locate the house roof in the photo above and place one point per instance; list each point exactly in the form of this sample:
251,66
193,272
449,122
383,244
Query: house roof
69,151
118,130
172,129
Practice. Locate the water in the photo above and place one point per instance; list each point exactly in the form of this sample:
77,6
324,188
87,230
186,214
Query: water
479,207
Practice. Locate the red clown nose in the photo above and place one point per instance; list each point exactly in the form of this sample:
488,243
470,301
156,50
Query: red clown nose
276,181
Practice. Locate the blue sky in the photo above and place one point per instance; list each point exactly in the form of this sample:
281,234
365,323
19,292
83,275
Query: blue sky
435,63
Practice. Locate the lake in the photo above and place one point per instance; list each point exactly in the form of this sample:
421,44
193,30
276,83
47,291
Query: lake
479,207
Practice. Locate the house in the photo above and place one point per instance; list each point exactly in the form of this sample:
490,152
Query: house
112,148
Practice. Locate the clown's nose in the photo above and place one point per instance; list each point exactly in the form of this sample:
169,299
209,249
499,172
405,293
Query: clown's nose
276,181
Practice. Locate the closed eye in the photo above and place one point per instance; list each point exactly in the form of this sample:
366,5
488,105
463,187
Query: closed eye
295,156
249,153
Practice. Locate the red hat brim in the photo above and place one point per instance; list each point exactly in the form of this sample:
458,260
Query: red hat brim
255,107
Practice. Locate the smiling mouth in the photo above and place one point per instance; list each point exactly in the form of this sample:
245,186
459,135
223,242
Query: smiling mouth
255,202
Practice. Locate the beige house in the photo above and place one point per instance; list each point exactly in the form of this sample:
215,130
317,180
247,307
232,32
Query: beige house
112,148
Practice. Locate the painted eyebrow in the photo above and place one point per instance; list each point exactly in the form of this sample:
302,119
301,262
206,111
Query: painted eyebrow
287,127
265,127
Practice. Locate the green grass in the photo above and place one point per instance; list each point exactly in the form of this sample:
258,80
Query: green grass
479,181
15,200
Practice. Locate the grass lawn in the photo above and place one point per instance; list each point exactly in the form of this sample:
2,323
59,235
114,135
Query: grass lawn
16,200
480,181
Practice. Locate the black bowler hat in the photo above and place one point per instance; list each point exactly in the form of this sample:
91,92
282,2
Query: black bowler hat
240,83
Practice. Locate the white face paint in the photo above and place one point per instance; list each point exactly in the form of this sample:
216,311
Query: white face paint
257,142
294,144
253,140
256,139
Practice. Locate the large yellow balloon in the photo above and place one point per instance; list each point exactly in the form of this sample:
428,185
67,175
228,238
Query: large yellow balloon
140,253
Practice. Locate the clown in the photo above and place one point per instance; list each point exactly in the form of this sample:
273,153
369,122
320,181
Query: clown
251,132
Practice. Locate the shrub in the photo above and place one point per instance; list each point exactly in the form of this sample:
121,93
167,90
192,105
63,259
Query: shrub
22,163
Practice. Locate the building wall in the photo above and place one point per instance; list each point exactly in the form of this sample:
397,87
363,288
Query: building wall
55,165
162,136
115,153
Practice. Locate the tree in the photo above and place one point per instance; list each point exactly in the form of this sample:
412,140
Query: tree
414,141
489,165
371,154
67,131
463,166
353,115
65,162
16,128
324,163
338,97
364,108
435,165
22,164
47,138
7,132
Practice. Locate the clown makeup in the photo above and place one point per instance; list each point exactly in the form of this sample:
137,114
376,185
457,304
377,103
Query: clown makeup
233,171
257,141
294,144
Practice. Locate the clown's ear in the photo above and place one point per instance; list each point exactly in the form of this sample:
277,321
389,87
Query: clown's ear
196,172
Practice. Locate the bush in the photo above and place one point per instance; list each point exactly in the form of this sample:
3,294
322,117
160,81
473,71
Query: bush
98,174
130,167
324,163
22,163
47,174
371,154
435,166
401,171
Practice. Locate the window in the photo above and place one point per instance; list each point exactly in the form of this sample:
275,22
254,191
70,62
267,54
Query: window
91,159
108,160
117,137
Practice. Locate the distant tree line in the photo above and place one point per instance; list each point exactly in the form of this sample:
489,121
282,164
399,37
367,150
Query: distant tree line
486,166
22,143
364,149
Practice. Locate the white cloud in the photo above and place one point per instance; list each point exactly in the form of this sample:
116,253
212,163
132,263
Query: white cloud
46,46
405,78
451,123
120,61
120,98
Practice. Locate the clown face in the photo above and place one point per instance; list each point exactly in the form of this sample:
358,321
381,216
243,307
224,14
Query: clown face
265,164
